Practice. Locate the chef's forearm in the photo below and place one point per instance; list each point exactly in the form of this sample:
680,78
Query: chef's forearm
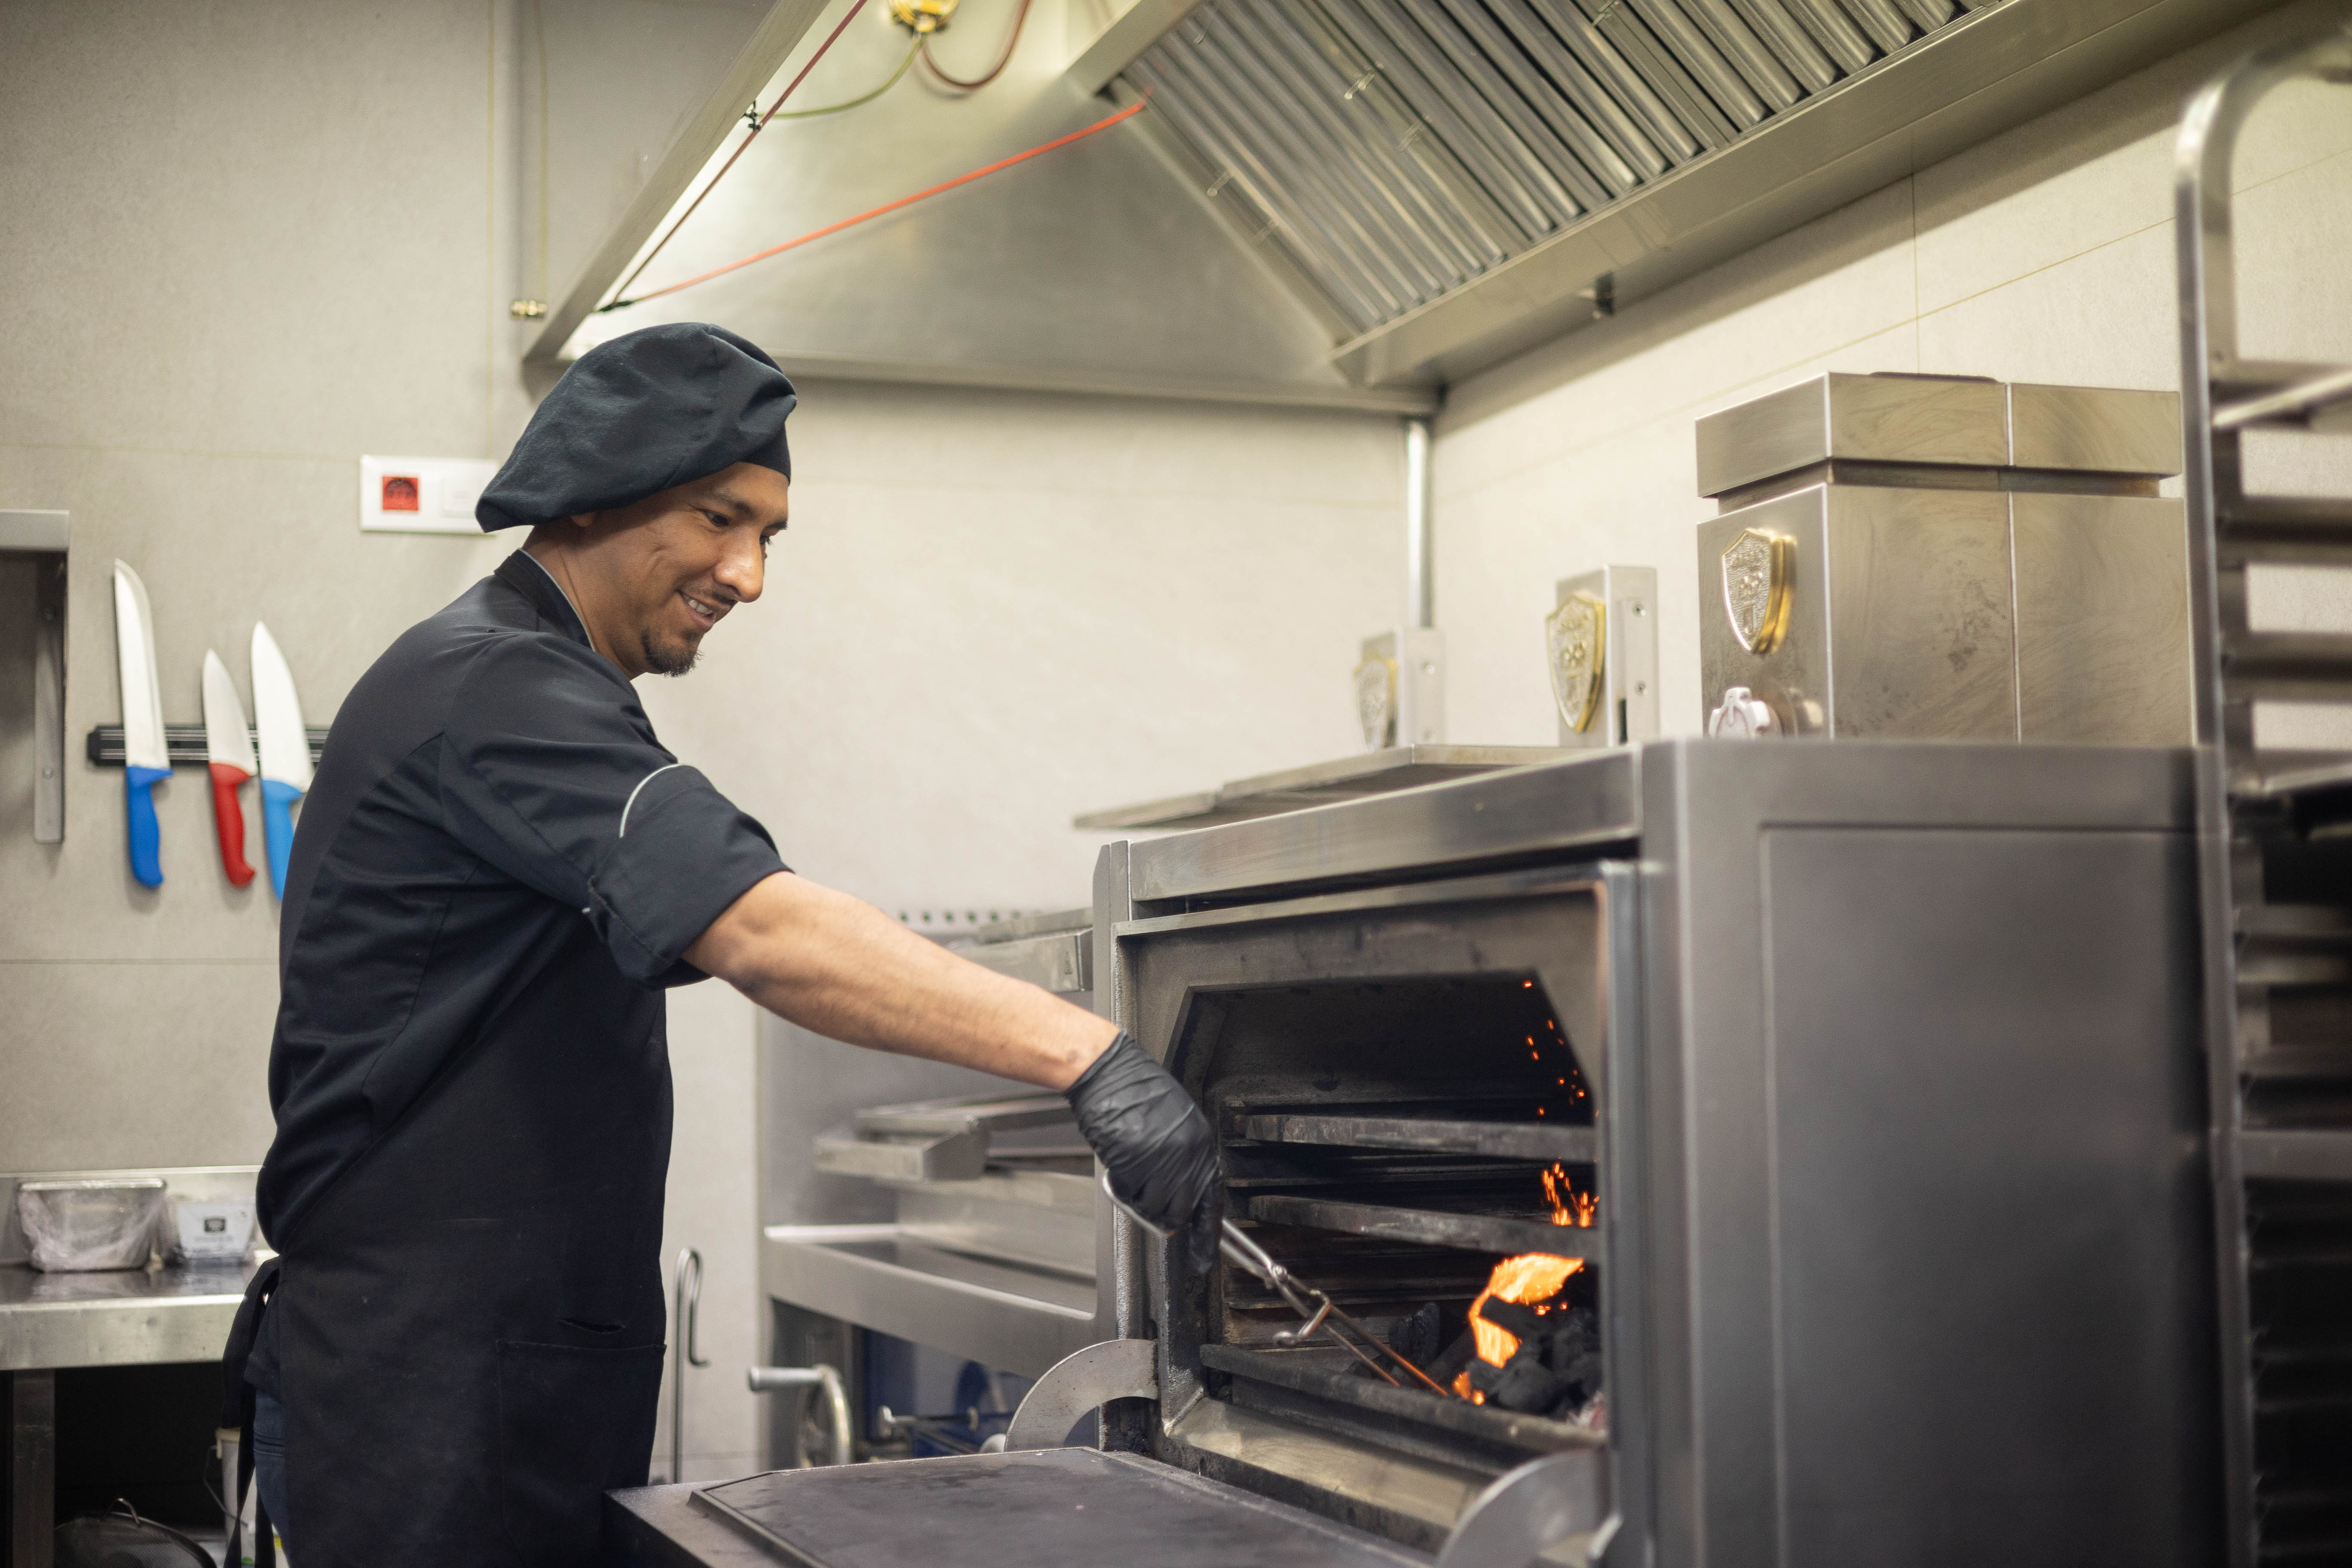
841,968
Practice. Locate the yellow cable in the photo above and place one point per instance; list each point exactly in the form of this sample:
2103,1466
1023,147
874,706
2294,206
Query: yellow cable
863,98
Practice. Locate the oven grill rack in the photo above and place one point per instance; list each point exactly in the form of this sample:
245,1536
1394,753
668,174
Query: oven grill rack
1326,1377
1566,1143
1433,1227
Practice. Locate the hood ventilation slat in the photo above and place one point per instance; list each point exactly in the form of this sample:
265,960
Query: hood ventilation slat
1397,150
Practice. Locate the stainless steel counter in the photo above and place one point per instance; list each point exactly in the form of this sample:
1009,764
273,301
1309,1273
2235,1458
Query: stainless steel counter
891,1277
119,1318
112,1318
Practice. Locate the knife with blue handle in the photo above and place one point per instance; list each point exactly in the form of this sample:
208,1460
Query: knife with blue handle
285,751
147,760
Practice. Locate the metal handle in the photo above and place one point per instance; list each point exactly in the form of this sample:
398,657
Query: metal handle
1236,1246
685,1321
769,1379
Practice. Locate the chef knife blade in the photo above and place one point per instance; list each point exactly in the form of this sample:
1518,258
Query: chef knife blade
146,762
285,750
228,750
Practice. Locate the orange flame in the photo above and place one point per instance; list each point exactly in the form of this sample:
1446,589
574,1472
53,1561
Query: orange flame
1528,1280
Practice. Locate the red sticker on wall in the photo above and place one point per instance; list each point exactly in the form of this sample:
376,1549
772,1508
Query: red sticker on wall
399,492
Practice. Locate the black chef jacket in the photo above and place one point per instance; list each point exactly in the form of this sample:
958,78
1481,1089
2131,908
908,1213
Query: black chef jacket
490,799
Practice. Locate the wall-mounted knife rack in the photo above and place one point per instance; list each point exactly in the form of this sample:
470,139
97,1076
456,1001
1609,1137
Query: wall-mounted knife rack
182,744
43,535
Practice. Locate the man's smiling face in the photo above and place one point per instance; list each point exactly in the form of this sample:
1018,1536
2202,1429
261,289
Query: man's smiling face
652,578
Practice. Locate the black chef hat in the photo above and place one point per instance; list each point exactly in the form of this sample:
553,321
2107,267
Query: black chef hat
654,408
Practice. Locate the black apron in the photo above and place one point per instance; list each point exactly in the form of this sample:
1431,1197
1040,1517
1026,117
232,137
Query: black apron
481,1295
497,871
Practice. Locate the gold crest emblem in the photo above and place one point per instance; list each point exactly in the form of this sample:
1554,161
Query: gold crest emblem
1756,568
1577,634
1376,704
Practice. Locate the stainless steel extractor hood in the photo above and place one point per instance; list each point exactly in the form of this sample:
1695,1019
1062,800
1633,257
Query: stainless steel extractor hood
1403,191
1455,181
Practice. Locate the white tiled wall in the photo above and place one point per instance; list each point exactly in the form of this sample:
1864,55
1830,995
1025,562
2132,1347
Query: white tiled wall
245,242
2044,255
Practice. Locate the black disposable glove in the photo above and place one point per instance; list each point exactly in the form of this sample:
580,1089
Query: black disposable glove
1159,1150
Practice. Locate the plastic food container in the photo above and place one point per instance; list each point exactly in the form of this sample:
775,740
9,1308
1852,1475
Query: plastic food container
103,1222
199,1231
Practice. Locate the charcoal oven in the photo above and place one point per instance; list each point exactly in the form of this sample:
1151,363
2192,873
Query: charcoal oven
1842,1103
1392,1085
1874,1069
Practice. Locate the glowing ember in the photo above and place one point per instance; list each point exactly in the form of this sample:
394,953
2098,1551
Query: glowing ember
1530,1280
1569,1206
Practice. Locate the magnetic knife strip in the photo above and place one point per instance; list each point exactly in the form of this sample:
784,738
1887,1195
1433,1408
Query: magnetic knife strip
182,744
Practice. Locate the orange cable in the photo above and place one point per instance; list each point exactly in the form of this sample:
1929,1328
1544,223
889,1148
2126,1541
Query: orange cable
1104,124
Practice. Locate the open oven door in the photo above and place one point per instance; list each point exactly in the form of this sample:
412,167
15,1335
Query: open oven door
1050,1508
1072,1507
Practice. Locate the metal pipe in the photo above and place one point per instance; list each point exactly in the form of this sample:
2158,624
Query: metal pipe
769,1379
685,1321
1420,537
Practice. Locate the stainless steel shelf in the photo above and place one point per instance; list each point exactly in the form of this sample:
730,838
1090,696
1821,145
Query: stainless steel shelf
1585,800
2296,1156
1320,783
1503,1140
2280,775
942,1140
1061,962
886,1278
1470,1232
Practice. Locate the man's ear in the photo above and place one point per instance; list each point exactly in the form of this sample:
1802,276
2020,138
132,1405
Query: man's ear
583,519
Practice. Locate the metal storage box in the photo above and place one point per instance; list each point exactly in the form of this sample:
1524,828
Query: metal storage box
1939,557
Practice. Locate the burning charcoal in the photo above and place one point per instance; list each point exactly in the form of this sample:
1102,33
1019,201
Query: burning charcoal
1458,1356
1415,1338
1520,1322
1526,1384
1574,1340
1581,1376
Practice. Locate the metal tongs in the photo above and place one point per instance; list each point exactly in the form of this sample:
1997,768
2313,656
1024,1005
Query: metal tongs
1322,1314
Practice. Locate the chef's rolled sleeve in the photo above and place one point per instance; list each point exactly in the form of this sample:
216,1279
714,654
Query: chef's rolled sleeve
684,853
554,782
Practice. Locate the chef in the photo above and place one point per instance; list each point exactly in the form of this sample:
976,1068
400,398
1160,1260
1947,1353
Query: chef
498,870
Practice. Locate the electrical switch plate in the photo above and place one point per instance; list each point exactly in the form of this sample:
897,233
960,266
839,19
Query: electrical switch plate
422,495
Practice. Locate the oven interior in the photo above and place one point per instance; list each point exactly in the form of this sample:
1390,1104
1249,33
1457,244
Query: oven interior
1415,1148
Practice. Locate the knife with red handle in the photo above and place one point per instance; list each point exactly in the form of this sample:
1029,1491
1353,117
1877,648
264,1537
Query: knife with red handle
228,750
